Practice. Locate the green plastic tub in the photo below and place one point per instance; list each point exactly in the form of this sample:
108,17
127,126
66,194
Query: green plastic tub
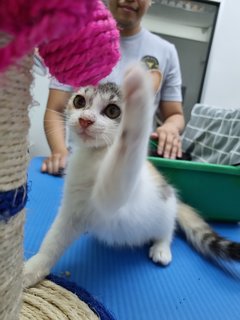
214,190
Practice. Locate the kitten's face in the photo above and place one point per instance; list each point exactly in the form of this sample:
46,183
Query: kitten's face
94,114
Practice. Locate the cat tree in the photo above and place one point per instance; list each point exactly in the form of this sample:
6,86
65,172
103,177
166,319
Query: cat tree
61,30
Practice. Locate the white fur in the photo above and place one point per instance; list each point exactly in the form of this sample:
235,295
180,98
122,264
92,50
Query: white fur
110,190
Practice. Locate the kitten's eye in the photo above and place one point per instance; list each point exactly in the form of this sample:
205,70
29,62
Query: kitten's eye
79,102
112,111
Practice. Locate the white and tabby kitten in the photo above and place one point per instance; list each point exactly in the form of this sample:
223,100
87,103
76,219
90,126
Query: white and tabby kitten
111,190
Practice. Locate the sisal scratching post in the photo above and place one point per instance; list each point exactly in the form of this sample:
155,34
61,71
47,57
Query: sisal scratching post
14,124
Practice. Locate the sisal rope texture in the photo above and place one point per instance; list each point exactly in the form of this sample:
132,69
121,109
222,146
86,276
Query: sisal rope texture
14,125
48,300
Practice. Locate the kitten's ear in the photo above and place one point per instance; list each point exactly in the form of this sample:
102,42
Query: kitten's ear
156,77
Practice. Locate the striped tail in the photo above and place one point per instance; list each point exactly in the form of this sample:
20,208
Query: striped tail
203,238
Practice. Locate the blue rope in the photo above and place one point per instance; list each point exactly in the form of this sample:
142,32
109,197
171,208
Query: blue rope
12,202
82,294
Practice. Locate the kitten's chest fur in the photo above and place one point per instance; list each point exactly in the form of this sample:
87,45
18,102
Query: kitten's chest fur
135,222
82,174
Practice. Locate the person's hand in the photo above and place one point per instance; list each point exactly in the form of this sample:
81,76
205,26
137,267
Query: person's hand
169,141
55,164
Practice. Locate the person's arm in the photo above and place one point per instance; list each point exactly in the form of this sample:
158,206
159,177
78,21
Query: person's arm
168,134
55,131
170,107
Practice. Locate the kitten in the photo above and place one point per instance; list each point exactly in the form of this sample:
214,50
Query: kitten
111,190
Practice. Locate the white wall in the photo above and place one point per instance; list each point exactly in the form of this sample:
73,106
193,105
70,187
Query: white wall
38,142
222,81
154,24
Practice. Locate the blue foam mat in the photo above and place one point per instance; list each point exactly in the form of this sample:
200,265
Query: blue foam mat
124,279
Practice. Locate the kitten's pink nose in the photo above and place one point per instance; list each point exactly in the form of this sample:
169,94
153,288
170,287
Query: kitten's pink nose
84,123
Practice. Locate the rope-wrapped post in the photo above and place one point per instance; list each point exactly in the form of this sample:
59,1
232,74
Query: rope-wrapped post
14,125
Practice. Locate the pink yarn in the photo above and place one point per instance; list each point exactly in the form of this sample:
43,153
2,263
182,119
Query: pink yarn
78,39
87,55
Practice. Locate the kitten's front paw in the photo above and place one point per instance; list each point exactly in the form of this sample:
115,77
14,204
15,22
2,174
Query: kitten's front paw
160,253
35,270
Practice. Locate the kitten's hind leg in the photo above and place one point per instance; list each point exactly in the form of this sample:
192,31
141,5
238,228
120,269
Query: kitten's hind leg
160,252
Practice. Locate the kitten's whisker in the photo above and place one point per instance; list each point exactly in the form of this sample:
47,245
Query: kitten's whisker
58,112
61,121
53,131
71,123
107,140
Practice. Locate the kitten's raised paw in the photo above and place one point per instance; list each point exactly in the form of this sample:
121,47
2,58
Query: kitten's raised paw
134,78
160,253
137,88
35,270
139,105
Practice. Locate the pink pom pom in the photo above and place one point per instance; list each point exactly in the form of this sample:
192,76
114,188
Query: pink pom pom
78,39
87,55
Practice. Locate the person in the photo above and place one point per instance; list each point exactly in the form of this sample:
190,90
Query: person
136,44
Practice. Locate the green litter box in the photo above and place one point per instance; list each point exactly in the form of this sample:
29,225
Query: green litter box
212,189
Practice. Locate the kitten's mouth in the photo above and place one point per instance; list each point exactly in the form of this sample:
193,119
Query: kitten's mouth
85,135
